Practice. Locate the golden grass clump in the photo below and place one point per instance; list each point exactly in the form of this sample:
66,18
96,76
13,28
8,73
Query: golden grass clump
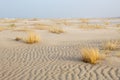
56,30
110,45
91,55
32,38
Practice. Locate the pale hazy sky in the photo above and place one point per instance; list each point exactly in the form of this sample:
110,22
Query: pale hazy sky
59,8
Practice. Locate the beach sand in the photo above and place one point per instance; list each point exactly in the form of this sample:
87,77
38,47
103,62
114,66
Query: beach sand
56,56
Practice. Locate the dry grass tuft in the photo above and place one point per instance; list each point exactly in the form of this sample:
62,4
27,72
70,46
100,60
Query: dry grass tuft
56,30
91,26
91,55
111,45
32,38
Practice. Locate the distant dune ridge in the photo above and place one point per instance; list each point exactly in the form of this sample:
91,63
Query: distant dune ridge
58,56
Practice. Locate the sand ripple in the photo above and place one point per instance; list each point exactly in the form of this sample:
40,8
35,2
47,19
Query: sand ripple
55,62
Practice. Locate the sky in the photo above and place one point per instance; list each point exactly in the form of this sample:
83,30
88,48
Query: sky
59,8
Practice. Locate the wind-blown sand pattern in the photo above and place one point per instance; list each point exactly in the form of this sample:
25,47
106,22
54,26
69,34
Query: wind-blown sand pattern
57,56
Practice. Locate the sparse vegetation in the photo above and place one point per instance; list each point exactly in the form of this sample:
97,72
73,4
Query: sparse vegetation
106,23
56,30
84,20
12,25
110,45
106,51
91,55
32,38
65,22
91,26
23,29
10,20
41,26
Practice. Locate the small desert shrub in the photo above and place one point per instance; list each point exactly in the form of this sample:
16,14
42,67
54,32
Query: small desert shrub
12,25
56,30
32,38
110,45
91,55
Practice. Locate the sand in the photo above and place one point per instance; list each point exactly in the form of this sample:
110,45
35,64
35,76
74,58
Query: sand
57,56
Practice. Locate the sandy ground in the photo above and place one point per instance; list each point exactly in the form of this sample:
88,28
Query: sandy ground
57,56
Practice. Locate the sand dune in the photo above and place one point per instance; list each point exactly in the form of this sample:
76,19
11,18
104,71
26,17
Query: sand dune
57,56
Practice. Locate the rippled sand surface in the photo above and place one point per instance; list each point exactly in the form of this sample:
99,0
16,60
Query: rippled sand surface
57,56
